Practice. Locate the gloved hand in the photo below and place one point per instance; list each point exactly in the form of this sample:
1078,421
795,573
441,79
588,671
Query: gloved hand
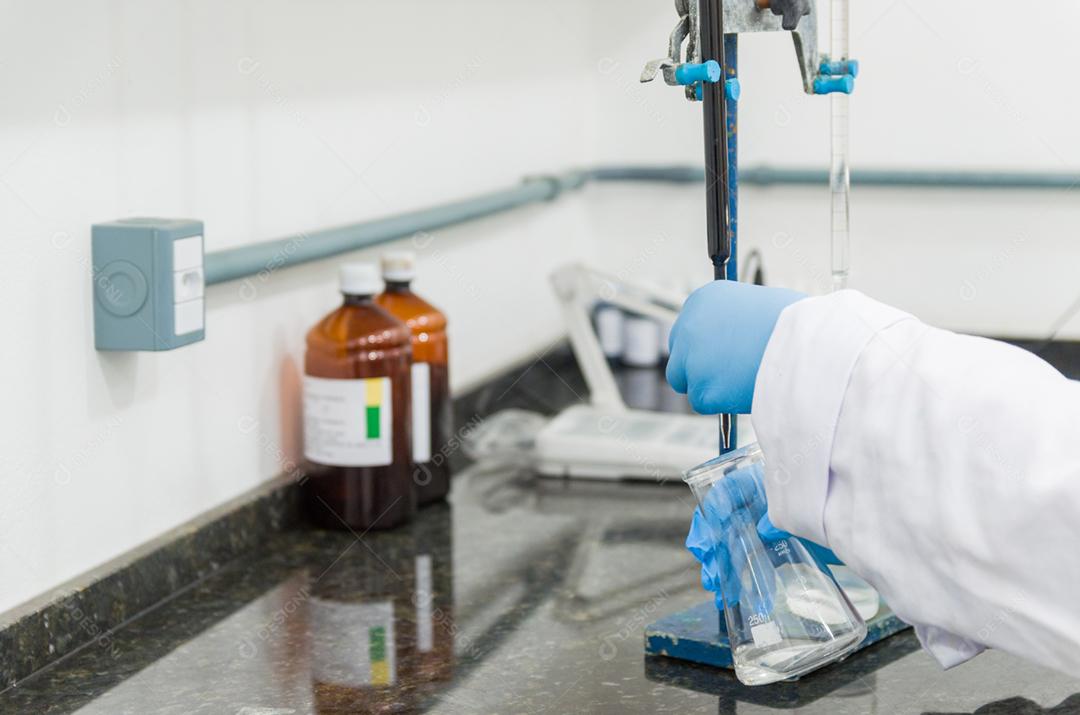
770,533
719,574
734,505
718,341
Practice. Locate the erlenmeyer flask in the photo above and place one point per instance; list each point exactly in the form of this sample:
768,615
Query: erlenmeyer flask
784,611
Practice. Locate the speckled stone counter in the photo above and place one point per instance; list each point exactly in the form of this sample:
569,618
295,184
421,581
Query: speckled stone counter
522,595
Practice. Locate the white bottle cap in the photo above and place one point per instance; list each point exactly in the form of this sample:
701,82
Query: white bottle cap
641,346
398,266
359,279
609,330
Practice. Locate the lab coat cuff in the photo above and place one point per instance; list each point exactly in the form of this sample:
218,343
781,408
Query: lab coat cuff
798,394
947,649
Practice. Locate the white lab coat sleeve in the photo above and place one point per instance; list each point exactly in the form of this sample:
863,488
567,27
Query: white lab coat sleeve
942,468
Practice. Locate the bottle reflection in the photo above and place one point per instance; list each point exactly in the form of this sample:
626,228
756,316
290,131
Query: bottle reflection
433,600
381,621
354,656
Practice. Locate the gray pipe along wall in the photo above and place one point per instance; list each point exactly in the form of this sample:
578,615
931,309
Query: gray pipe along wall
235,263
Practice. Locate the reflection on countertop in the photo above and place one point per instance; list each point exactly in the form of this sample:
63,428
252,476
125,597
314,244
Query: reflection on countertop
522,594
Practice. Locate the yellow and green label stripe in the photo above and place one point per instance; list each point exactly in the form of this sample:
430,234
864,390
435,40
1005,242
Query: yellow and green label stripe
380,666
373,406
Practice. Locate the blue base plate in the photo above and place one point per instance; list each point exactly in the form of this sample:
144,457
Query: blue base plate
698,635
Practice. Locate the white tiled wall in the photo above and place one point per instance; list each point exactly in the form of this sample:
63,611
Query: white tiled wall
268,118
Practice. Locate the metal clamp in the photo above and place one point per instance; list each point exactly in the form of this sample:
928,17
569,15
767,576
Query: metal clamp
739,16
686,30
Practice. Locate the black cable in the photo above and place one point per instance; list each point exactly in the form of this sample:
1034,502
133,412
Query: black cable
714,101
757,275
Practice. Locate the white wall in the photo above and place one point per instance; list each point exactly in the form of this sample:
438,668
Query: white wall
941,87
268,118
261,119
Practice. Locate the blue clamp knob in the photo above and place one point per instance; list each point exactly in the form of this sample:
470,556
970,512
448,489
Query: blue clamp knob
692,72
840,67
732,89
829,85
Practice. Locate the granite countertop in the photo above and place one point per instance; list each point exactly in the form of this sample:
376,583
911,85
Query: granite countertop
521,595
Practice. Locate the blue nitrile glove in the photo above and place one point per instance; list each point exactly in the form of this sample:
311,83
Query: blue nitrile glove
731,506
769,532
718,341
701,544
718,574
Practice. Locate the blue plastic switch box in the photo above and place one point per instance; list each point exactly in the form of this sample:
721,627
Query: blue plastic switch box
148,283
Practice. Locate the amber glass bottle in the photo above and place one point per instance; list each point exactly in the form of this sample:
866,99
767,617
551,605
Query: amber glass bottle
430,375
357,405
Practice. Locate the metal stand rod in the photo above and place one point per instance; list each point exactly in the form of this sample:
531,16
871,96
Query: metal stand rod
714,101
718,199
731,67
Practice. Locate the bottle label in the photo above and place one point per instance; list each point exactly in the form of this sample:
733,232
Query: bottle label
421,412
348,423
353,644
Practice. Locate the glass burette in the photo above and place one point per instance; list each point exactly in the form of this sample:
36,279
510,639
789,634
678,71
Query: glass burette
839,171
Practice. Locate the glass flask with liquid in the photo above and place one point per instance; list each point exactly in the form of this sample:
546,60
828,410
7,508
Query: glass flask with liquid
357,411
430,375
784,612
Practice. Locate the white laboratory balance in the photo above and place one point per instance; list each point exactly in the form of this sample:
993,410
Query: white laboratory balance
605,439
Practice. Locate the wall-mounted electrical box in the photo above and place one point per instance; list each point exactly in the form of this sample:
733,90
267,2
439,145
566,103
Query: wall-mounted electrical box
148,283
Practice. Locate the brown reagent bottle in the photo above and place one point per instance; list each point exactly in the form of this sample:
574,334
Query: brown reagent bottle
432,422
357,412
